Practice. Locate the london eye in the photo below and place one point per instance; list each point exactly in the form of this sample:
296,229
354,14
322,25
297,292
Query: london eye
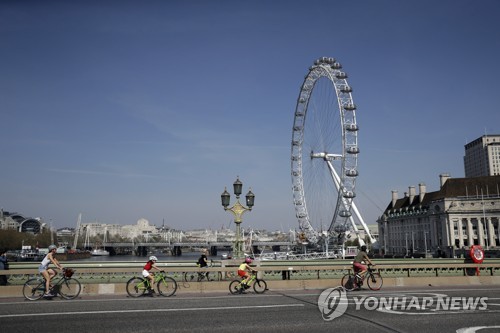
324,153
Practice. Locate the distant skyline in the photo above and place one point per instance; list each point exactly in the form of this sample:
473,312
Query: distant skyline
122,110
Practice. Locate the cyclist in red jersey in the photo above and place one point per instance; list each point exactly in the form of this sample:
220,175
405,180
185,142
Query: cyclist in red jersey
149,275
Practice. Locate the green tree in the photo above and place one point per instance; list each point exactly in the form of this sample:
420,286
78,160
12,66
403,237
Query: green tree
13,240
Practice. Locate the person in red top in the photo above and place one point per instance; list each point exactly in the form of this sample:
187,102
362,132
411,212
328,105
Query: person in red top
148,275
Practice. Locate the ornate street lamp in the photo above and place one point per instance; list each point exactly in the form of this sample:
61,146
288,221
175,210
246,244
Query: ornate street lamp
238,209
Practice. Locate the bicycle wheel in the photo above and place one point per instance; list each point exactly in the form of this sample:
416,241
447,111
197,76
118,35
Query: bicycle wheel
70,288
191,276
348,282
234,287
136,286
34,289
259,286
166,286
374,281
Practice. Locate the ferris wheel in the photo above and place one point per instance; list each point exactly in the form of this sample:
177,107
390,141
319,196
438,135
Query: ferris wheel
324,155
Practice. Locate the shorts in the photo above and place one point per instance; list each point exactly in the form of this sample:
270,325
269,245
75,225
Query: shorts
358,267
242,273
145,273
41,268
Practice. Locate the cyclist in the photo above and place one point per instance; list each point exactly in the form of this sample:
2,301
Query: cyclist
243,271
148,275
359,268
203,262
49,273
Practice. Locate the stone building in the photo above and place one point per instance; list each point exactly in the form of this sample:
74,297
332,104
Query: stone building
15,221
141,229
463,212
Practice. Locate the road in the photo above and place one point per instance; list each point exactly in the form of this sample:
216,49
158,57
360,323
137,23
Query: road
415,310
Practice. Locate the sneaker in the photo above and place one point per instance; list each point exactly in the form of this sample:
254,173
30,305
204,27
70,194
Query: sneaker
48,295
246,286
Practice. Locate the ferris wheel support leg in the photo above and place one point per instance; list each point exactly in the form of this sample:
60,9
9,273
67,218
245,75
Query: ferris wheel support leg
336,179
365,227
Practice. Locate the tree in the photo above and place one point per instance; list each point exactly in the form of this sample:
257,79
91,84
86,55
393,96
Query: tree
14,240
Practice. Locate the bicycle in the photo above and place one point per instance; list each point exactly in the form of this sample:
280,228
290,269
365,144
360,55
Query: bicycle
199,276
352,281
165,285
66,286
259,285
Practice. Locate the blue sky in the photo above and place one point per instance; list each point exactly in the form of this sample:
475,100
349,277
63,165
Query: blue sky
122,110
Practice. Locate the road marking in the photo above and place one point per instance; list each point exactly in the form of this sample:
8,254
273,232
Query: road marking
475,329
390,311
47,314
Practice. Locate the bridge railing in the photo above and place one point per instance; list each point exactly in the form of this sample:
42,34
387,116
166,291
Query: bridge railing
225,270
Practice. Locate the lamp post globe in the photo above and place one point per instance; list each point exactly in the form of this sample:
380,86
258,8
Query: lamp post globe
225,198
237,187
250,197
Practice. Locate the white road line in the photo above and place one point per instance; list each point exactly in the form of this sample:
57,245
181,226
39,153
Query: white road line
47,314
475,329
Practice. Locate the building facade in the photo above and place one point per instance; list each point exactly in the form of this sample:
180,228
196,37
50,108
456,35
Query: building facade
482,156
15,221
462,213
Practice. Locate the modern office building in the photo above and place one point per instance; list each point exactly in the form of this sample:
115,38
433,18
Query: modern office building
462,213
482,156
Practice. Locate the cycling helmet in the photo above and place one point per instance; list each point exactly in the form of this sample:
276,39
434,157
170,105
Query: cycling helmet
153,258
248,260
52,247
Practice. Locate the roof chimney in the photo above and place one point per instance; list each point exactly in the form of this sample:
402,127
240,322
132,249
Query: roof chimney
421,191
411,191
443,178
394,197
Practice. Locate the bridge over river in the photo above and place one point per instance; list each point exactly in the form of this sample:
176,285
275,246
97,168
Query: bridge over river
142,248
